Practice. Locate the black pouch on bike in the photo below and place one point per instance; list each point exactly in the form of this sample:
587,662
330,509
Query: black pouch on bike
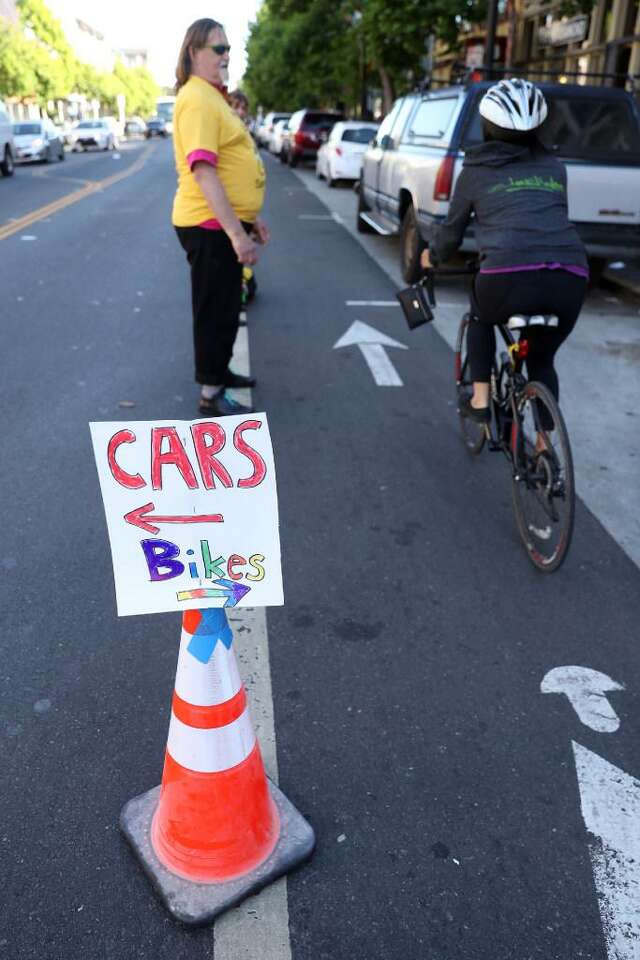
415,304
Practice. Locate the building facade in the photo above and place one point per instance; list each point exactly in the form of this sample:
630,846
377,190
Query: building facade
604,41
535,35
8,10
134,58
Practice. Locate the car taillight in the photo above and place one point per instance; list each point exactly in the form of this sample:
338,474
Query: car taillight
444,178
300,138
339,151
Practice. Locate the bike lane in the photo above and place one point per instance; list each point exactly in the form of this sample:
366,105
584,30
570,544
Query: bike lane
408,658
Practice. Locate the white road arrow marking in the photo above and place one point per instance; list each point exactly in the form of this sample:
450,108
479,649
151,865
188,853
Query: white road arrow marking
585,690
610,802
372,345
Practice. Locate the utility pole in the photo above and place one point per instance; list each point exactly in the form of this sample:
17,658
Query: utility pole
492,23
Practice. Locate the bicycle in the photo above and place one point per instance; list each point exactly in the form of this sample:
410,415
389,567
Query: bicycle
528,428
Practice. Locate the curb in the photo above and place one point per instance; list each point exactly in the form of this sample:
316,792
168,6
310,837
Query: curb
627,282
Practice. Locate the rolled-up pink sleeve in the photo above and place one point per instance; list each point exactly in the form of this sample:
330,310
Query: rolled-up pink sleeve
202,155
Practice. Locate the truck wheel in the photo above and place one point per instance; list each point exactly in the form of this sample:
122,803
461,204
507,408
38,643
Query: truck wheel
597,267
7,166
411,246
361,226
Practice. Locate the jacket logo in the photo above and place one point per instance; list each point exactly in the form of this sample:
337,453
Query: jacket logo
528,183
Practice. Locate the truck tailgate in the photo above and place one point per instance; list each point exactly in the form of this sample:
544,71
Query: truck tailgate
603,194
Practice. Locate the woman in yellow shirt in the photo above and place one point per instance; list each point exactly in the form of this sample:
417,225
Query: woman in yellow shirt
221,183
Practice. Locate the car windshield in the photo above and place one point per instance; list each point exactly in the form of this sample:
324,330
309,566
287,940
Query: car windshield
90,125
582,127
363,135
22,128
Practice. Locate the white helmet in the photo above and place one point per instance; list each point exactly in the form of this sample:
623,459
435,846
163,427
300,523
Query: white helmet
514,105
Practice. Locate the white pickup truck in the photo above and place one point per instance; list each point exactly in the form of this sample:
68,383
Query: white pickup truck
410,169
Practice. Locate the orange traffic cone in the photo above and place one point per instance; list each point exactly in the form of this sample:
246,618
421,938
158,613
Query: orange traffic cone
216,819
219,830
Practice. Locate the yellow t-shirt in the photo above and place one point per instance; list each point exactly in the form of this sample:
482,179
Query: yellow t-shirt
204,121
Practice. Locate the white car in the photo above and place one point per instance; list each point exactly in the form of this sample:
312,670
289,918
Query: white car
93,133
279,130
6,142
340,158
266,130
37,140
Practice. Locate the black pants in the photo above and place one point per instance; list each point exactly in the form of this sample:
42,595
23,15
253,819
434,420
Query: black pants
216,293
498,296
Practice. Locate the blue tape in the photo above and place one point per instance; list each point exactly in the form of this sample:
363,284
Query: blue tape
214,626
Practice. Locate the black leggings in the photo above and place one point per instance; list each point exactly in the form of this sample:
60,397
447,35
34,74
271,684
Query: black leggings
497,296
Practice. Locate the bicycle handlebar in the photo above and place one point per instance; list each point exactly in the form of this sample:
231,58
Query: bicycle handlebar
430,274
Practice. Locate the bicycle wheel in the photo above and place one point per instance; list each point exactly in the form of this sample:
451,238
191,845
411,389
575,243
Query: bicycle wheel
543,483
473,434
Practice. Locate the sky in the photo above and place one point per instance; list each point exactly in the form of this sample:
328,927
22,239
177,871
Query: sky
160,28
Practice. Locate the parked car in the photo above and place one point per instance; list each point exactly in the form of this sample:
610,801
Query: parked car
6,142
37,140
277,137
340,158
135,127
307,130
93,133
156,127
265,130
65,130
411,167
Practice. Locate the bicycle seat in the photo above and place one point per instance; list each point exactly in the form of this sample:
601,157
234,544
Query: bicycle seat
520,320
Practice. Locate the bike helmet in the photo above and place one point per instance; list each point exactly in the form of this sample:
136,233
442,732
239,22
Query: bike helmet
514,105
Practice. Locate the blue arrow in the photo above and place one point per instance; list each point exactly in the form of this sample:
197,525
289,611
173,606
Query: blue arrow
225,588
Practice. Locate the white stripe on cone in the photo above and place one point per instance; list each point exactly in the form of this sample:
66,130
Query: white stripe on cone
206,684
211,751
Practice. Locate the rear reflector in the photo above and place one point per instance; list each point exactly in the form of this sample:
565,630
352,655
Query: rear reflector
444,178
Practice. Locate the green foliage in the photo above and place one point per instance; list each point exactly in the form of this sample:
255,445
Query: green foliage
313,52
306,58
17,76
138,86
37,63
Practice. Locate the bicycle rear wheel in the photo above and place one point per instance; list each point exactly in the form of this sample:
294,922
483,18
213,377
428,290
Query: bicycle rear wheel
543,484
473,434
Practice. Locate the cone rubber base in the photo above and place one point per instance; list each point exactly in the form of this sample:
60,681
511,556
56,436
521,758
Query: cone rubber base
198,903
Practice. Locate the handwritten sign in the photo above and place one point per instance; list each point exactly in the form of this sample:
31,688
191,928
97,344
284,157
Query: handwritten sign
192,513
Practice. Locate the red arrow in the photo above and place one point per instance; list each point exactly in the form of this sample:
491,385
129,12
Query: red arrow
139,518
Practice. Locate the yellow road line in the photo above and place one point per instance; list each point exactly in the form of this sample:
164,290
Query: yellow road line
96,186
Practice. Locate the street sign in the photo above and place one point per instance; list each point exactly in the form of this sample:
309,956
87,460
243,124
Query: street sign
192,513
372,345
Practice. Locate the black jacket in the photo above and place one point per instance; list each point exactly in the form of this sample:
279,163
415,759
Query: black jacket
518,196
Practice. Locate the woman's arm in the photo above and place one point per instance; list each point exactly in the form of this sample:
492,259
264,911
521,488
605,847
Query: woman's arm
214,193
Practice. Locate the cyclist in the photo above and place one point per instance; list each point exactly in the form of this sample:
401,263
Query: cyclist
532,260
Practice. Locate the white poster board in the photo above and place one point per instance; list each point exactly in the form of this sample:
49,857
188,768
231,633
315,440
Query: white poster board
192,513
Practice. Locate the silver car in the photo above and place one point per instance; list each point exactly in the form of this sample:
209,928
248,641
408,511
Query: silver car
37,140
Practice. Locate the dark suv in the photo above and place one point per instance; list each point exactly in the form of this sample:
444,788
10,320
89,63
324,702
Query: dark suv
156,127
308,129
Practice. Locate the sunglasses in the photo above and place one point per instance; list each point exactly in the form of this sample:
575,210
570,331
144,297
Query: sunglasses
219,48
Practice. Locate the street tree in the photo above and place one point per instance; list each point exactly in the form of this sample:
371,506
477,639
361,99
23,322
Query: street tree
17,75
315,42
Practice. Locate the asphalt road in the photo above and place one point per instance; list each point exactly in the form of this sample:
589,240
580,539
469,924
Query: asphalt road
406,663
